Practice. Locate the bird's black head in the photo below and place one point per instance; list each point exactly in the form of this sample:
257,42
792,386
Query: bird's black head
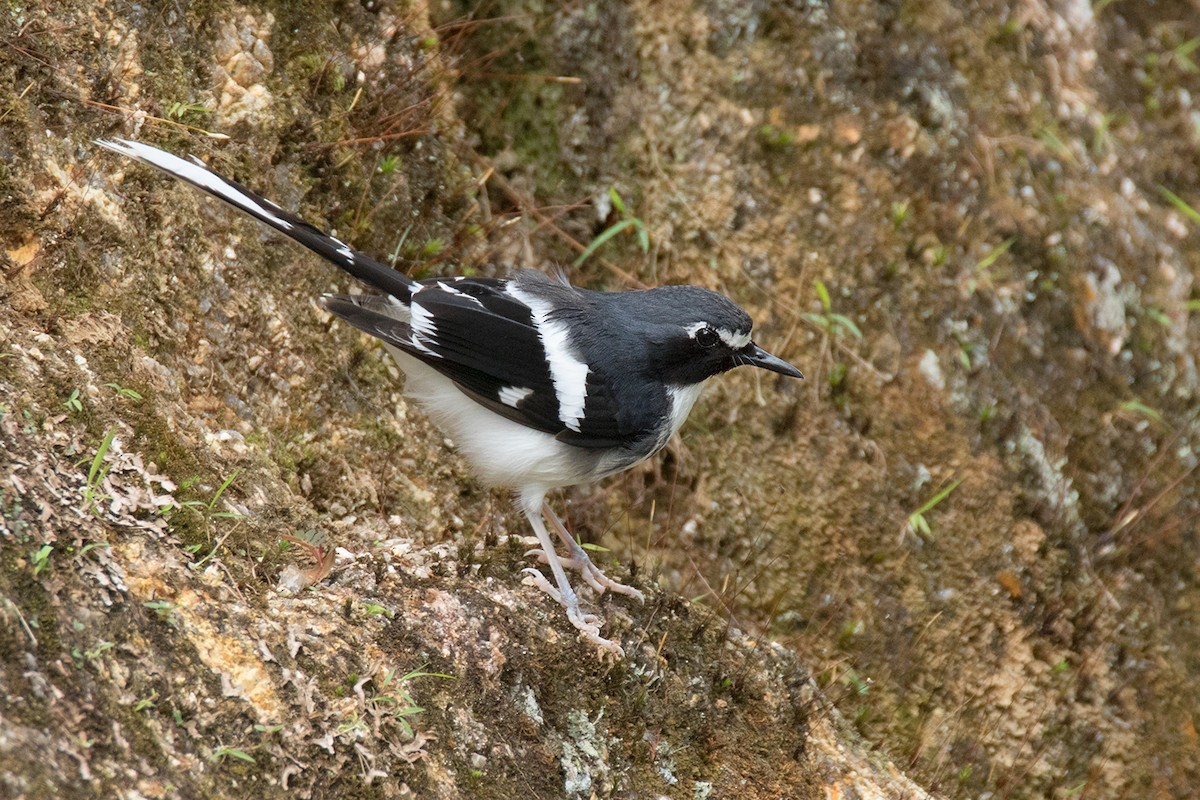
694,334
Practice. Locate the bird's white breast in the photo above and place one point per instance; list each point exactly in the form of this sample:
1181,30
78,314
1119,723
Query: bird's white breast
682,400
501,452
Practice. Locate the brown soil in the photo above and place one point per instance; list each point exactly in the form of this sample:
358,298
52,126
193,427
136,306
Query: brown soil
968,224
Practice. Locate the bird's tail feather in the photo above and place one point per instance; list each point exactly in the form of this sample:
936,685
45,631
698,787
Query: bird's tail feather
380,317
361,266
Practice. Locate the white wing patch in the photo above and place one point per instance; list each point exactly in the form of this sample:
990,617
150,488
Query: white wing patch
343,249
197,173
511,395
445,287
423,327
567,372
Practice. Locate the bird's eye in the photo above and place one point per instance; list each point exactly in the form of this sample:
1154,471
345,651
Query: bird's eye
707,337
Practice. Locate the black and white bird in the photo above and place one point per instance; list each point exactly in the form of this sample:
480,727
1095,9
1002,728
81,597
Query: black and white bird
540,384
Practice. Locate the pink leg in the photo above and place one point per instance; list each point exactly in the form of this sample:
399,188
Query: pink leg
586,624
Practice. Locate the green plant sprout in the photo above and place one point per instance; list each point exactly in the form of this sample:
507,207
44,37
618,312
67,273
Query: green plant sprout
398,700
627,222
146,702
40,558
994,254
99,650
1055,144
216,498
98,472
432,248
83,551
388,164
1180,204
72,403
857,683
773,137
182,112
124,392
1102,139
221,752
982,270
375,609
1158,315
1139,408
165,611
828,320
917,524
834,327
395,254
1182,55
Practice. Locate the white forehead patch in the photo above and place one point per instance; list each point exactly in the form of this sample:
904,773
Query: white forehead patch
734,340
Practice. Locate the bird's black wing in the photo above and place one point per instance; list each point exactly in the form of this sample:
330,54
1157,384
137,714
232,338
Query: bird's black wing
605,423
483,339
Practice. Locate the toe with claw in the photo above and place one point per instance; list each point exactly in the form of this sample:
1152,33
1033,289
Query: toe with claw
587,624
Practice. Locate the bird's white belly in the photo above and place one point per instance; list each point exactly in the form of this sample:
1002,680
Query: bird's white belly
501,452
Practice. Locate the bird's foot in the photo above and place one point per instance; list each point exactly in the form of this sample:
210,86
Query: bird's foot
587,624
595,578
573,564
539,580
582,563
540,555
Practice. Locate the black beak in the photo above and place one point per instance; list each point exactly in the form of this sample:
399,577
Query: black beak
755,356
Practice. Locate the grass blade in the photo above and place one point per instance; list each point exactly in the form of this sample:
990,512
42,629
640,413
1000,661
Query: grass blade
1180,204
601,239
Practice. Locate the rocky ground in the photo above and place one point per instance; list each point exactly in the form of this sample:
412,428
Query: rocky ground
962,556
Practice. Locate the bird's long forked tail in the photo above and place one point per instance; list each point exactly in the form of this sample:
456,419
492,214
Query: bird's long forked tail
194,172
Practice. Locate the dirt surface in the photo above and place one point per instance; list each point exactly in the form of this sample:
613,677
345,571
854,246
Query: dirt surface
963,551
